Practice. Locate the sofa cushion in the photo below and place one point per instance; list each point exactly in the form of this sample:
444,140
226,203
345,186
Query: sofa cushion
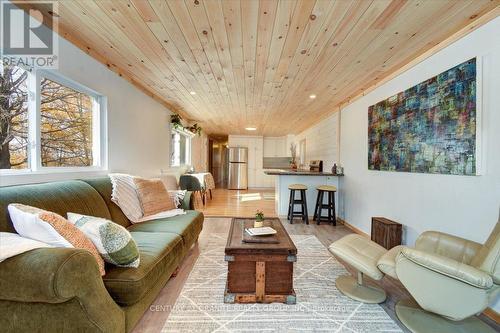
359,252
160,255
188,226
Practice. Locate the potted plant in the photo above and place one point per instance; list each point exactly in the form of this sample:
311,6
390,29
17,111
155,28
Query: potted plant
259,219
176,119
195,129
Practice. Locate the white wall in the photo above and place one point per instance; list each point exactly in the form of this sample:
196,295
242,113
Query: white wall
462,205
138,126
321,142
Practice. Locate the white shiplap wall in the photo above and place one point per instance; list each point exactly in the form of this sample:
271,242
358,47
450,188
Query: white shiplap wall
322,141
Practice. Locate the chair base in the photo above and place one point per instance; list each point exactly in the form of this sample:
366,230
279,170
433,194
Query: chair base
350,287
418,320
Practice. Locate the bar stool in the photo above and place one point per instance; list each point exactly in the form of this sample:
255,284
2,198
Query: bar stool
302,202
332,218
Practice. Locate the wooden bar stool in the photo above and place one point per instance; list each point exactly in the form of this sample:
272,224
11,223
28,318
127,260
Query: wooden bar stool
330,205
302,202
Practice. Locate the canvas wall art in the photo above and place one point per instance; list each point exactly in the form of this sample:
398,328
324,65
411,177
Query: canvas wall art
428,128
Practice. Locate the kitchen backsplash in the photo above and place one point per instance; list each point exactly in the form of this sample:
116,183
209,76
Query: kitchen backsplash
276,162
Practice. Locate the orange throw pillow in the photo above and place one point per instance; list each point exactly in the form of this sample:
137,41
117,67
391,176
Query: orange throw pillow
73,235
64,230
153,196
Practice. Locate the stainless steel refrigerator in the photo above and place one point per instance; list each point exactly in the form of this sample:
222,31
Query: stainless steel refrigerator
238,168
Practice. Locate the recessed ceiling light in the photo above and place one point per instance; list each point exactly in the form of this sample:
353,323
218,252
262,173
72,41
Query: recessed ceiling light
192,92
312,96
251,128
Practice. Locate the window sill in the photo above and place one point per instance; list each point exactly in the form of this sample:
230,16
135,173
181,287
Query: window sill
29,177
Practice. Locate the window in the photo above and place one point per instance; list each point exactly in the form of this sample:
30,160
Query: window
65,126
181,149
48,123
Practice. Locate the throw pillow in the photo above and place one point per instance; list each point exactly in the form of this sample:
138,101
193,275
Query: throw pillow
50,228
12,244
114,242
177,196
153,196
124,194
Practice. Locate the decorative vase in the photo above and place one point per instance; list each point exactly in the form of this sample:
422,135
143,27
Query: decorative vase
258,224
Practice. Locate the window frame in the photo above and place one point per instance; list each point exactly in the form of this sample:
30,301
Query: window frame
99,127
189,136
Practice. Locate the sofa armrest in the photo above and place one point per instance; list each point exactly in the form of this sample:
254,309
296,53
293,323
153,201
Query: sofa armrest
450,246
57,275
187,203
51,275
449,267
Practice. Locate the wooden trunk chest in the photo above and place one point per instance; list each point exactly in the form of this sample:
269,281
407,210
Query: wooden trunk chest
259,272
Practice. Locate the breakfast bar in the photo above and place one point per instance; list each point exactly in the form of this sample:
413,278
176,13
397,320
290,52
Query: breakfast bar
312,179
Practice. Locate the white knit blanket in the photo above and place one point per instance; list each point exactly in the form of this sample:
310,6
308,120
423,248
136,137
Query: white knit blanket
12,244
125,195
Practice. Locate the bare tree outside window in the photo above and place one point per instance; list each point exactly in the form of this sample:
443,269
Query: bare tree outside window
66,126
13,118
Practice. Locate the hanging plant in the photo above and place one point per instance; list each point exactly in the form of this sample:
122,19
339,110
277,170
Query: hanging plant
176,121
195,129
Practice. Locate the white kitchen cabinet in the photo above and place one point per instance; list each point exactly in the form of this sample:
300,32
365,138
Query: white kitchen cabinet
252,177
269,147
275,147
281,147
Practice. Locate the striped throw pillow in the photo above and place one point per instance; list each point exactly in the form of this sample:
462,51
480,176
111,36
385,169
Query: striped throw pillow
114,242
125,195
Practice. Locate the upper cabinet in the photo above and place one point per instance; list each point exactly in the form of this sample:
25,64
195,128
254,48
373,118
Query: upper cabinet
275,147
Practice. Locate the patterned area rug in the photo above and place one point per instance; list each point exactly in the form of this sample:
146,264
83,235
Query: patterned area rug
320,306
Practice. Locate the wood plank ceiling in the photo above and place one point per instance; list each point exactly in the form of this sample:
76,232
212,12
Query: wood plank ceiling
231,64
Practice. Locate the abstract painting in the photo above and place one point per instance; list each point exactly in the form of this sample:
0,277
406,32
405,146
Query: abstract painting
428,128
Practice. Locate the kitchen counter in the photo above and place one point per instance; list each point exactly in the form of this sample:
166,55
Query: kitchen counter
311,179
291,172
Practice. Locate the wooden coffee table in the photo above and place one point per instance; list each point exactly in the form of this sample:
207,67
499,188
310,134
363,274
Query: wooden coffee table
259,272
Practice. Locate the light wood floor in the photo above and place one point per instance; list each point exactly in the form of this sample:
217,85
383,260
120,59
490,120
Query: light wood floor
237,203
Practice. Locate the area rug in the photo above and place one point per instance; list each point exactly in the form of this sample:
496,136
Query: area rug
320,306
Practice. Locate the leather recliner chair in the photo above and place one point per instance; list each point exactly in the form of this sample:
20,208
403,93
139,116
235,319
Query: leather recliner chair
452,279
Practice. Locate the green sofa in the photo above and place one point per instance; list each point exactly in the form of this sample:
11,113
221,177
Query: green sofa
60,289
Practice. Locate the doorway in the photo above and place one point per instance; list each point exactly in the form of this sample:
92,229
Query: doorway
217,160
